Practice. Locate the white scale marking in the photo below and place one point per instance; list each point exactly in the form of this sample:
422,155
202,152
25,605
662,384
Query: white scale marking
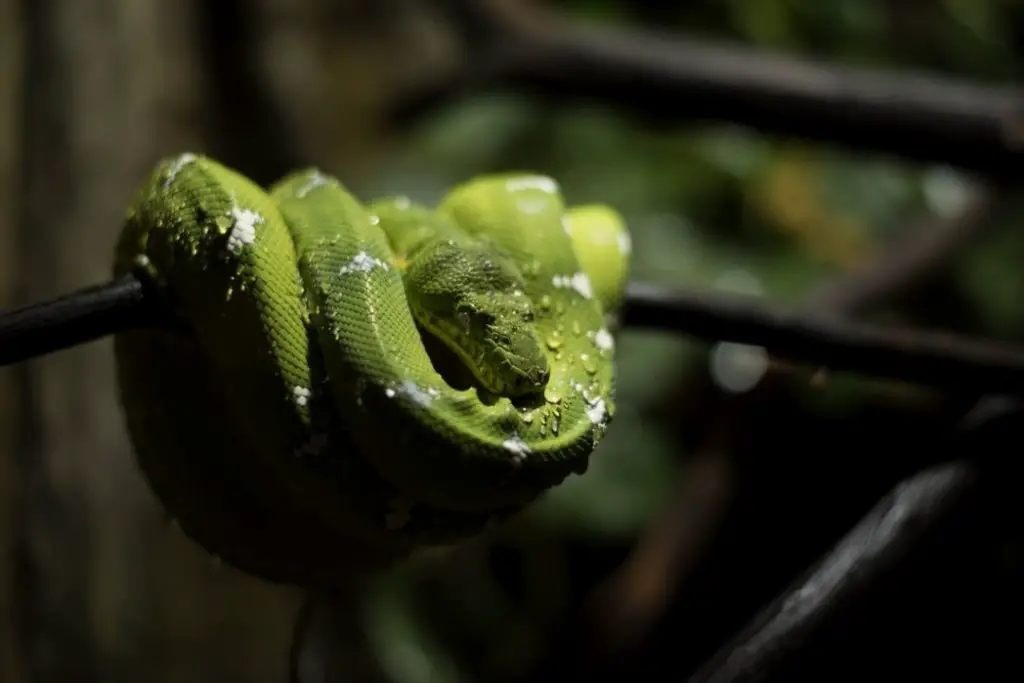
517,446
301,395
625,243
175,168
597,412
243,233
539,182
316,179
362,263
416,393
580,282
604,340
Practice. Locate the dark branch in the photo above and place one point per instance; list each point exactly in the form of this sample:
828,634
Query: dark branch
902,354
875,546
931,359
670,79
74,319
829,341
917,511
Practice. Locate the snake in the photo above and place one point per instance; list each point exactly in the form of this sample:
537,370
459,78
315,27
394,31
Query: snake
341,384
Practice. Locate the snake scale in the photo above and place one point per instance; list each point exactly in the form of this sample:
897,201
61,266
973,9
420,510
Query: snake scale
342,383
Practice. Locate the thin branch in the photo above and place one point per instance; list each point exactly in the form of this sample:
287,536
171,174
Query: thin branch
76,318
672,79
829,341
902,354
914,513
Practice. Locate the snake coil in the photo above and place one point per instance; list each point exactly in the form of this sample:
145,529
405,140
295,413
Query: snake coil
341,384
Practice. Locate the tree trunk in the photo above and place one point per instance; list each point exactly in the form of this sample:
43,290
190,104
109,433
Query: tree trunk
102,587
108,590
11,664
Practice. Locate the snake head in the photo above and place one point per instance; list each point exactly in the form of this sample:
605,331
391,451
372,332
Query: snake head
512,361
473,301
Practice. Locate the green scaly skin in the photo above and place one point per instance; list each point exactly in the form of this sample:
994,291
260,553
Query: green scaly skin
297,397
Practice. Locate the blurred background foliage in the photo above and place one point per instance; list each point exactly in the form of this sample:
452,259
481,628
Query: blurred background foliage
709,206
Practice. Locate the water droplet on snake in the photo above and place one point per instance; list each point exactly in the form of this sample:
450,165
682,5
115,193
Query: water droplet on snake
576,329
554,340
589,364
545,303
552,395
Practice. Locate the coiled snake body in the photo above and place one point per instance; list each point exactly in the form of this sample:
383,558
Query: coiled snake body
340,383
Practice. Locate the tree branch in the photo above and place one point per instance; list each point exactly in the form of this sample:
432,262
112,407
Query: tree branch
77,318
931,359
917,511
668,79
917,507
829,341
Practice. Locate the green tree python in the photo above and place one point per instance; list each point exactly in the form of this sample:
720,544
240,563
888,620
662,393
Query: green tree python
342,383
